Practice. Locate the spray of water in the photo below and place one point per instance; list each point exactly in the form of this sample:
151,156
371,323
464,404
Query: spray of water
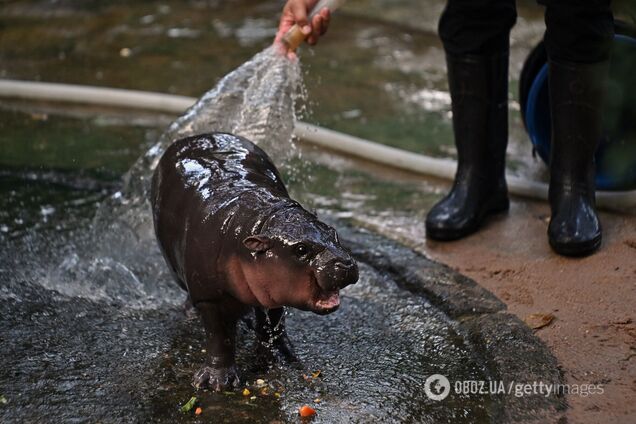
256,101
120,259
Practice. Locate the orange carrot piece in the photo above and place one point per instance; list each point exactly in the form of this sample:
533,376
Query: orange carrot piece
306,411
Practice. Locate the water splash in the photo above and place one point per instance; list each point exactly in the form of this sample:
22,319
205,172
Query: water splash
257,101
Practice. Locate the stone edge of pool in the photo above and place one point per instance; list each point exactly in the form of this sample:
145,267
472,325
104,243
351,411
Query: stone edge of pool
509,349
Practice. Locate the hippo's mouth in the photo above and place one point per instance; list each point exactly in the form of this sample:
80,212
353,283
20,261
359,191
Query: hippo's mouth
324,301
328,301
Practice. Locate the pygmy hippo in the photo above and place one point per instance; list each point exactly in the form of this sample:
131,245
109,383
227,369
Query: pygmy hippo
235,240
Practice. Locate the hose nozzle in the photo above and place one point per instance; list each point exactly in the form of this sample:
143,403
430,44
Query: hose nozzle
293,38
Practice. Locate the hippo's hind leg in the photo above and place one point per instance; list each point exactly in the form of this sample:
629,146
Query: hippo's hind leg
220,329
272,336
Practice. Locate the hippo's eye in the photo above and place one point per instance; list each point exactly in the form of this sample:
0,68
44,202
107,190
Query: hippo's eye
300,250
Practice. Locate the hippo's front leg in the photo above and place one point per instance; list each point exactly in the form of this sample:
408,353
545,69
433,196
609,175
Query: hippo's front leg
220,329
272,336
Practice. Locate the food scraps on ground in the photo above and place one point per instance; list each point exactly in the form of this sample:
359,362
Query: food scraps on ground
246,392
198,411
306,411
313,375
189,405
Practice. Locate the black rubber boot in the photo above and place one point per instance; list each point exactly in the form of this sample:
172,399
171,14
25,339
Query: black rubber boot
576,94
479,93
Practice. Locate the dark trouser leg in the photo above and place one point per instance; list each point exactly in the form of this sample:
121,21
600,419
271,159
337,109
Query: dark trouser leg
270,329
477,27
220,330
578,31
578,40
475,35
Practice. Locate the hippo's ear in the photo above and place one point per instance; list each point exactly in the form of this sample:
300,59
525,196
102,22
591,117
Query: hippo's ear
257,243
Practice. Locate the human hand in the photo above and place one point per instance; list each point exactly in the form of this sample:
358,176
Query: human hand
295,12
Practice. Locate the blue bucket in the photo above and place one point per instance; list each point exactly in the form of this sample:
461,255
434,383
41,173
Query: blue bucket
616,155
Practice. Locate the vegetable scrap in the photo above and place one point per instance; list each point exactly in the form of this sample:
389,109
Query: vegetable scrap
198,411
189,405
246,392
306,411
313,375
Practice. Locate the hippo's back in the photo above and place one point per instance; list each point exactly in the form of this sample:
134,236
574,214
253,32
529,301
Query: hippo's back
210,162
202,186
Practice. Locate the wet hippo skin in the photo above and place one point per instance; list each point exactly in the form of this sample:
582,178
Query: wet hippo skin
235,240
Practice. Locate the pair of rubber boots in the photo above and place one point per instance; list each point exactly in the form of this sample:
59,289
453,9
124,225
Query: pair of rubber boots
479,93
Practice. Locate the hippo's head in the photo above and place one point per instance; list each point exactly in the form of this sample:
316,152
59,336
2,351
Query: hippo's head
298,261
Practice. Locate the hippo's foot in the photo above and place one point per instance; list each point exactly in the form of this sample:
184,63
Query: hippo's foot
274,345
216,379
